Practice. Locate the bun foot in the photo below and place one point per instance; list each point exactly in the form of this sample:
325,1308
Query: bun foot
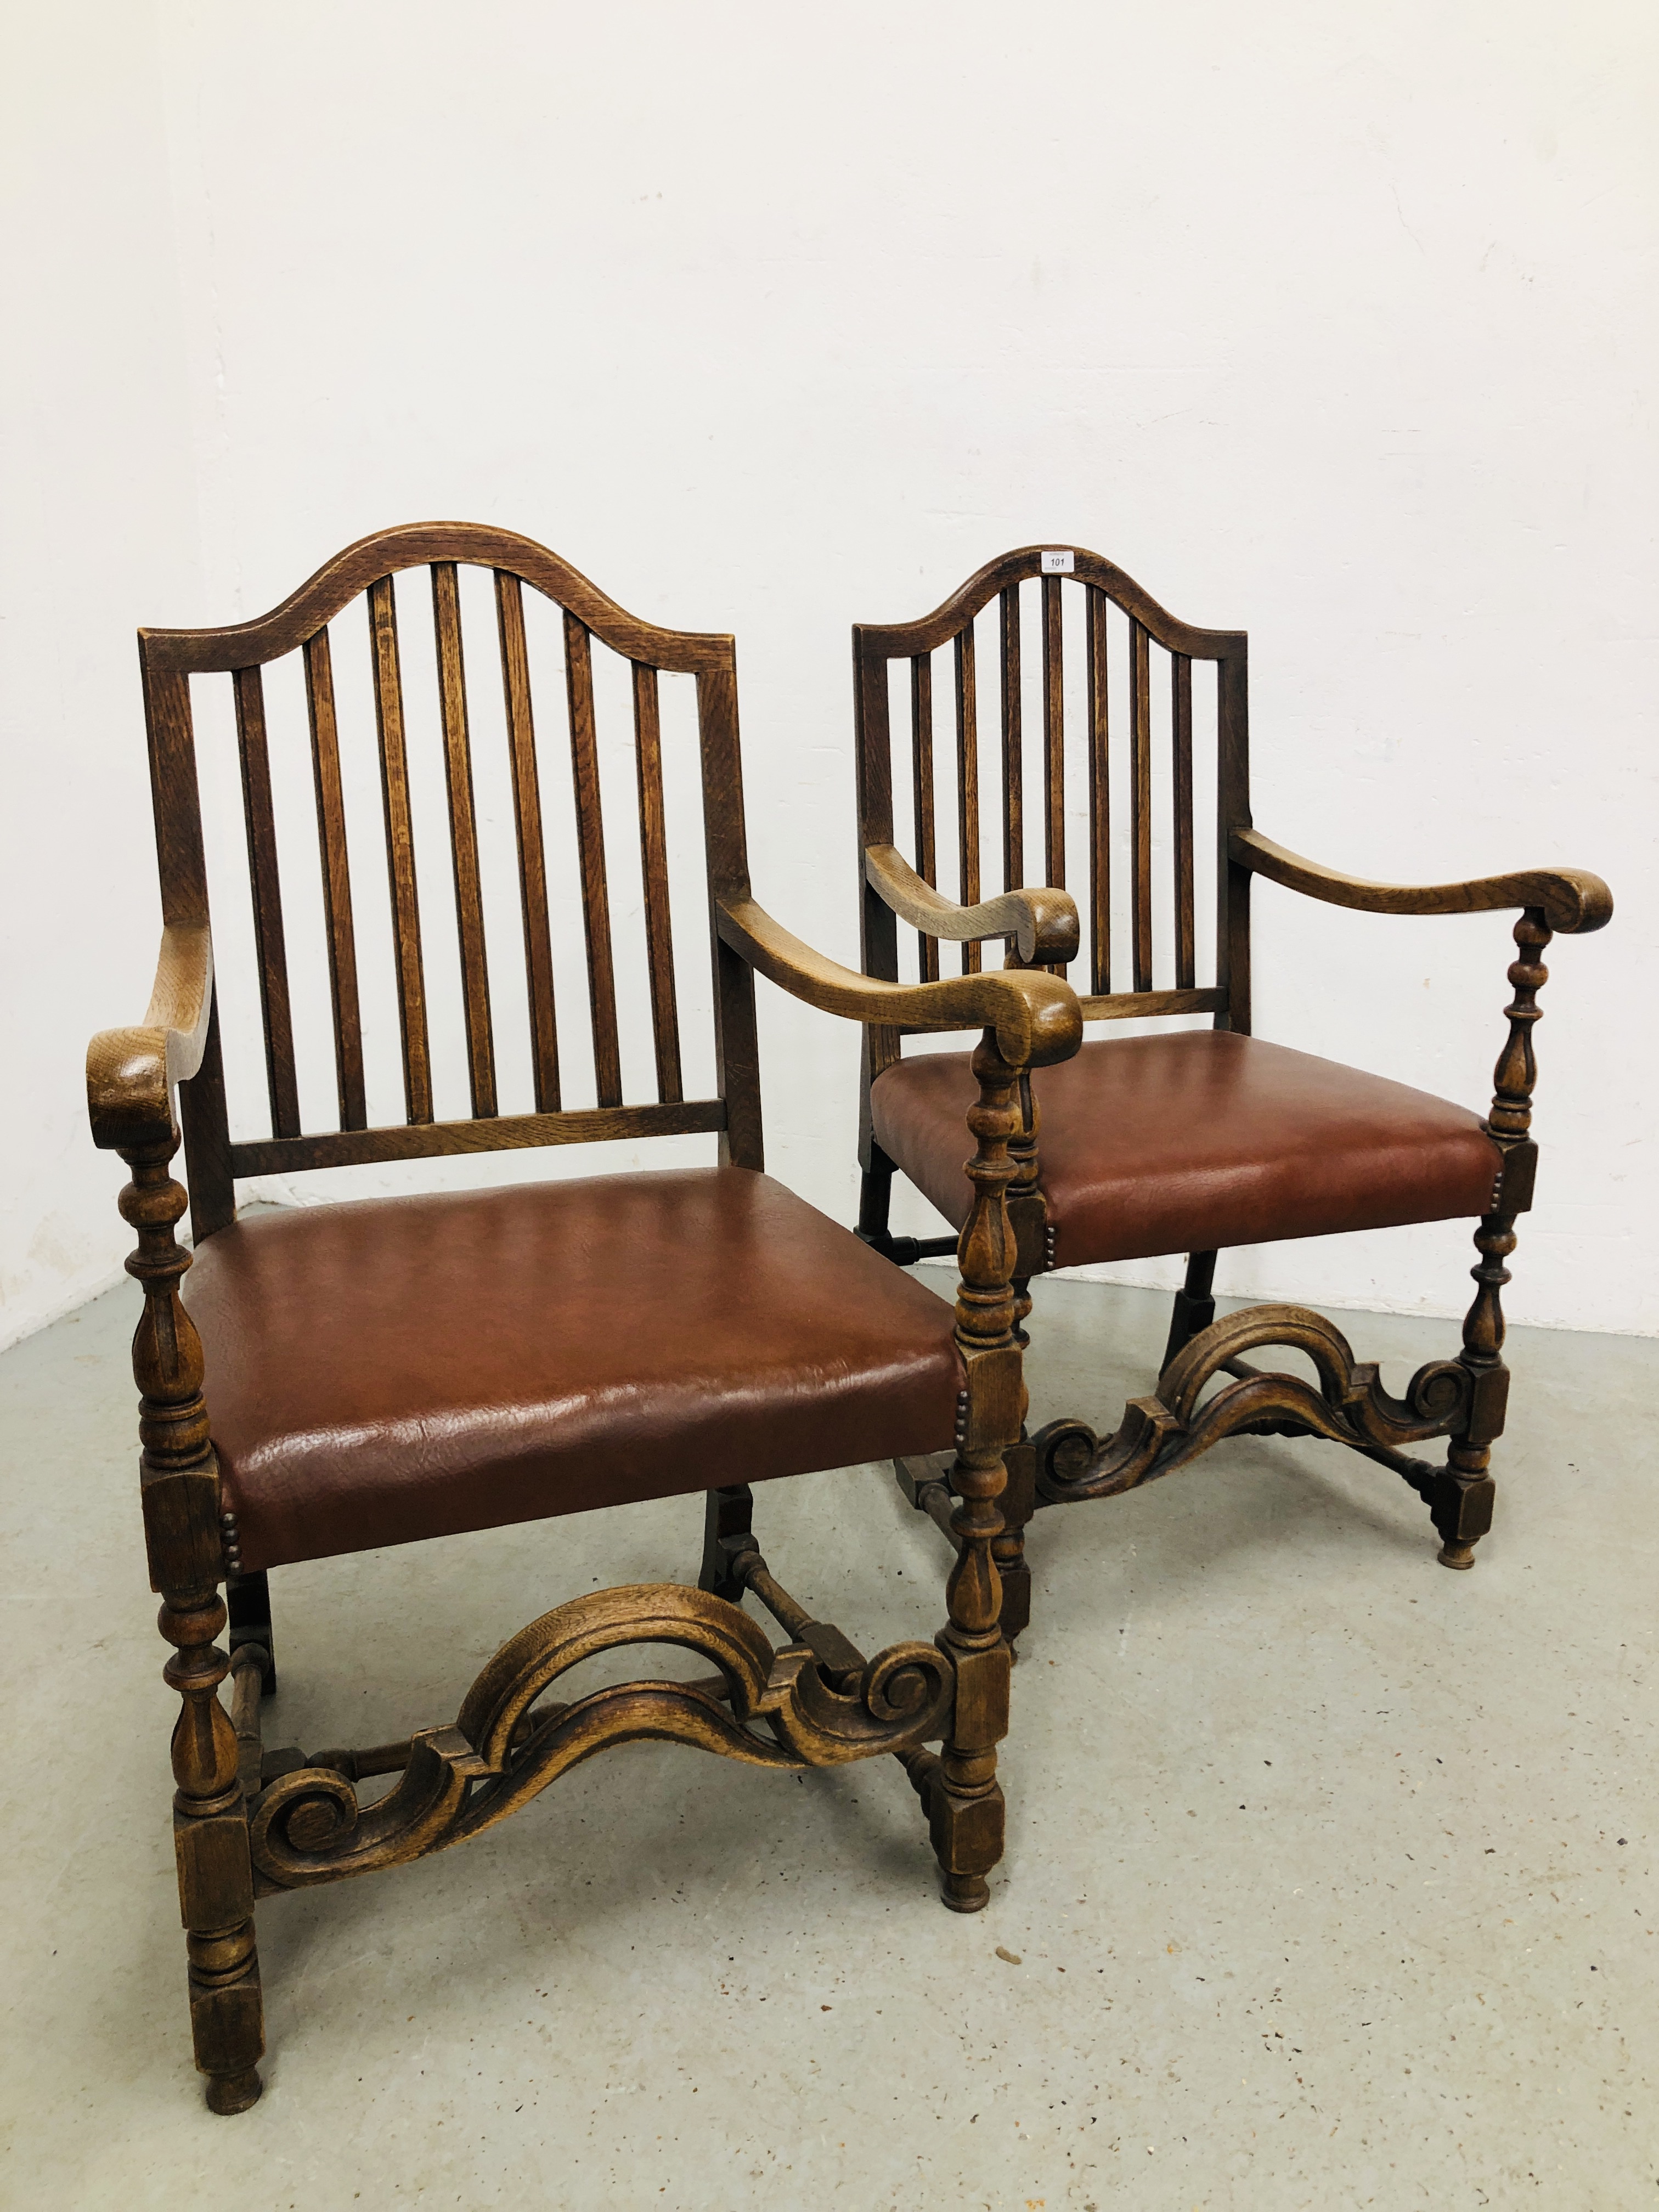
965,1893
233,2092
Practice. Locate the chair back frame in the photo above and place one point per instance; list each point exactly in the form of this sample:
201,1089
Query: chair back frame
876,645
170,658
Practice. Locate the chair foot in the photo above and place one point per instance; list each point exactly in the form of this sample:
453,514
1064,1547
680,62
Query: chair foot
234,2093
965,1893
1456,1555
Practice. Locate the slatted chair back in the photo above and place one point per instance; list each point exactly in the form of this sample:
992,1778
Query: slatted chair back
308,624
1076,587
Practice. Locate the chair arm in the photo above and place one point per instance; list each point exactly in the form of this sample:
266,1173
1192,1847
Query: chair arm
131,1074
1044,923
1573,901
1035,1016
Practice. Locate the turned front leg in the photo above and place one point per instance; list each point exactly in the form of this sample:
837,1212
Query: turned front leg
964,1800
1028,1214
1461,1510
180,1487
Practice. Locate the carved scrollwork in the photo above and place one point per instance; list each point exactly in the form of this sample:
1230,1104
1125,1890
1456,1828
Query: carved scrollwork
904,1699
308,1828
1161,1433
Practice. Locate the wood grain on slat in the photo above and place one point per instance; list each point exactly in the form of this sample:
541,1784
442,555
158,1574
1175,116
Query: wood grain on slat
1181,687
1141,806
1139,1006
1100,801
968,782
260,819
533,856
400,850
1054,737
463,838
590,846
499,1133
1013,758
336,883
653,869
922,787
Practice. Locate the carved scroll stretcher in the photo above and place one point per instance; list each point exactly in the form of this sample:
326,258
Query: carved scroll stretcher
1171,1429
307,1827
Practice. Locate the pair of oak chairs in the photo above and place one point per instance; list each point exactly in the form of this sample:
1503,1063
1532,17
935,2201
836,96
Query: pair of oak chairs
334,1378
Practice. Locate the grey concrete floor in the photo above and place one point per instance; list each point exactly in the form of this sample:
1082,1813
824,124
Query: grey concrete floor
1330,1873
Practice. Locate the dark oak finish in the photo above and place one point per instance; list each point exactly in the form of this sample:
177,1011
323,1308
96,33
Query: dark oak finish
400,851
654,865
1461,1400
527,824
250,1822
463,838
967,697
1140,806
260,817
336,883
1100,809
590,840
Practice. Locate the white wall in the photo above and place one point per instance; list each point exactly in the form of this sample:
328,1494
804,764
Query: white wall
98,528
1335,328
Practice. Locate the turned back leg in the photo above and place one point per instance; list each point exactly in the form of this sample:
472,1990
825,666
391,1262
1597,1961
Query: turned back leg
1195,1306
247,1600
728,1531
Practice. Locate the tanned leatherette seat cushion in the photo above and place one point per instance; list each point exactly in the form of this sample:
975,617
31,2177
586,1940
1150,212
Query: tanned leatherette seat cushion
390,1369
1198,1140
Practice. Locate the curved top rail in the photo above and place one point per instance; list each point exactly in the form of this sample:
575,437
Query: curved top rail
413,544
900,639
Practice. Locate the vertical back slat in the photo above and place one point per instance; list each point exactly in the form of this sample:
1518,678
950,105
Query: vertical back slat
1233,812
968,782
921,786
1054,737
1181,688
336,883
527,826
463,838
590,846
1013,759
1141,806
400,851
654,868
1100,800
737,1053
260,816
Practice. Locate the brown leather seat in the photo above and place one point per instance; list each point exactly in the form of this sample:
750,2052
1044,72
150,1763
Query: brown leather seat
1198,1140
390,1369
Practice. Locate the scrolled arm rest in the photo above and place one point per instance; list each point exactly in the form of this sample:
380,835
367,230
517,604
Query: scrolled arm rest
1573,901
1035,1016
131,1074
1044,923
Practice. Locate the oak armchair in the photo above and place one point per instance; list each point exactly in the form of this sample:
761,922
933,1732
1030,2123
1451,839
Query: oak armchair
1190,1140
337,1377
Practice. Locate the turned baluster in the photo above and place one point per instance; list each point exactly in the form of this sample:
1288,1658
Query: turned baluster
1462,1511
965,1803
1027,1211
179,1486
